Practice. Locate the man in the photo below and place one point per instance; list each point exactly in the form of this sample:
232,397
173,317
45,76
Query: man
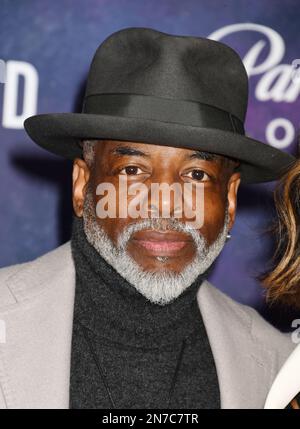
122,316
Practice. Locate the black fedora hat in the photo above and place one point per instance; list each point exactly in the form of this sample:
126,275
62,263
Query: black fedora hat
148,86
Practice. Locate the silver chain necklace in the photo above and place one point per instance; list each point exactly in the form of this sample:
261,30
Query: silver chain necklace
101,372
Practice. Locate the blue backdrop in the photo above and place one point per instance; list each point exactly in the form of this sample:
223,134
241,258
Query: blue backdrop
47,48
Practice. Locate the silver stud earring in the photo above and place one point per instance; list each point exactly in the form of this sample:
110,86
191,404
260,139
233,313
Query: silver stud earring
228,236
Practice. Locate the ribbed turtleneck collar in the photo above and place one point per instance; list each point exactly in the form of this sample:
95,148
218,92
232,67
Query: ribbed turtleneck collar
112,308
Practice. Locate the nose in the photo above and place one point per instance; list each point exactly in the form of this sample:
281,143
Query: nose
165,200
165,196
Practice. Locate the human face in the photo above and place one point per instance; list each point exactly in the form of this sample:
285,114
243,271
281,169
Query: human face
149,164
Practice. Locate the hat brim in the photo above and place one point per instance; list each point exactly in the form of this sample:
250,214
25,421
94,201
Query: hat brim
61,134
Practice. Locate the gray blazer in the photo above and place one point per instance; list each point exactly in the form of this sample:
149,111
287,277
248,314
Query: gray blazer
36,311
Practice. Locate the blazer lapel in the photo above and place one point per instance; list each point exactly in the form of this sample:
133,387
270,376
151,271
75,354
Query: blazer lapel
35,358
245,367
287,383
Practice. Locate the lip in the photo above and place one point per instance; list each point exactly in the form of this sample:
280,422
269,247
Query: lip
161,243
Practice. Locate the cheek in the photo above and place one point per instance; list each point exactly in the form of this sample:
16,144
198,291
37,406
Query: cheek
214,212
112,227
113,223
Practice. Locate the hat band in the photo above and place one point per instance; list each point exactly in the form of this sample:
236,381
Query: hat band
149,107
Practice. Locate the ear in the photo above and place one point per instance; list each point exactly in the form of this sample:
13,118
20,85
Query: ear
232,189
80,176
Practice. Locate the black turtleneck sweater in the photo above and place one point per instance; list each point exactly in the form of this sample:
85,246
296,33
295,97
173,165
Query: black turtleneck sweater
130,353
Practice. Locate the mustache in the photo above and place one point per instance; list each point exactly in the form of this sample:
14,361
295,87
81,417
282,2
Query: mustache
159,225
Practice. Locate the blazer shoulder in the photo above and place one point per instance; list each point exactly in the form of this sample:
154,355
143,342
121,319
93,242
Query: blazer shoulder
17,279
261,330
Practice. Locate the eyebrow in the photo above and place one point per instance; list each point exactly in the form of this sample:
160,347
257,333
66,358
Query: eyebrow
130,151
206,156
127,150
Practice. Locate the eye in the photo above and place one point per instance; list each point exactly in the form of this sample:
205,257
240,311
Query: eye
131,170
198,175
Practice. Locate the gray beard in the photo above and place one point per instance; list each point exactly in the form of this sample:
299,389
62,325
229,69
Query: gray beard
158,287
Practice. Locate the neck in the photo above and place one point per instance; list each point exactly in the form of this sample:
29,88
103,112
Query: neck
107,303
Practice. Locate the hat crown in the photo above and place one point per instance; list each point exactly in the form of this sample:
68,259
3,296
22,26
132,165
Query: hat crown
149,62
